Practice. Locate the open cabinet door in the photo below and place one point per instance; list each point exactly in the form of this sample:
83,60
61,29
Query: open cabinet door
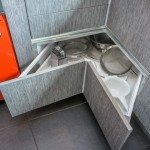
40,89
113,123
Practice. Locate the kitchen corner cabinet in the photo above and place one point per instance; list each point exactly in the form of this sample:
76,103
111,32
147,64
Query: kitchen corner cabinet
34,91
44,83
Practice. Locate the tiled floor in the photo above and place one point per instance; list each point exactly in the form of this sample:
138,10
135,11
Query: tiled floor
67,125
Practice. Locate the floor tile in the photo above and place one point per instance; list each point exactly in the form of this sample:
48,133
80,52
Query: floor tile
69,102
137,140
7,120
18,137
70,129
65,125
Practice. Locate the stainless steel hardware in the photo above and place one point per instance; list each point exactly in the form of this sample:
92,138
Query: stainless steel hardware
59,52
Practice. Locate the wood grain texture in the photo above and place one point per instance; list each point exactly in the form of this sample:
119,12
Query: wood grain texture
1,8
112,122
38,7
142,107
18,24
129,20
61,22
35,91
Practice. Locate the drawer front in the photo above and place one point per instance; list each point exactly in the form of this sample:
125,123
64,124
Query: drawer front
38,7
61,22
34,91
112,122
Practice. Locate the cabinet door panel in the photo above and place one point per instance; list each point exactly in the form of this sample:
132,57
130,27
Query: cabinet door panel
37,90
67,21
38,7
16,15
111,120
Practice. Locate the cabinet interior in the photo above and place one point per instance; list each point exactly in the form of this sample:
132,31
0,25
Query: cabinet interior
135,77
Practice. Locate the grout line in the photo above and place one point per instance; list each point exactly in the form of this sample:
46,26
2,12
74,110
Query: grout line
107,14
13,124
27,120
56,111
33,135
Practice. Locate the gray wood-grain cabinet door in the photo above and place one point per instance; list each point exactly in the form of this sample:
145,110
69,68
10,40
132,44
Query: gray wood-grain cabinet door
51,17
37,90
114,125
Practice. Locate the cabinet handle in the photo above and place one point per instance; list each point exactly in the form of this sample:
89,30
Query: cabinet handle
0,34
